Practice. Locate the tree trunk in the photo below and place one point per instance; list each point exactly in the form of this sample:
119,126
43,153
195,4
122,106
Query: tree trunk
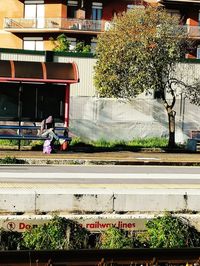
171,120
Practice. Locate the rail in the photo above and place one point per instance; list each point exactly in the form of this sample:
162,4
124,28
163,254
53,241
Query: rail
102,257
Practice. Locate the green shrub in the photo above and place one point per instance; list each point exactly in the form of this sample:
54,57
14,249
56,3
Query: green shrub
169,231
9,240
114,238
58,233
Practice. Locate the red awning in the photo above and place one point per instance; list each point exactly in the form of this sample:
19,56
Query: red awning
25,71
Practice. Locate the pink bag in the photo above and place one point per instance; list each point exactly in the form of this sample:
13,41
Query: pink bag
47,147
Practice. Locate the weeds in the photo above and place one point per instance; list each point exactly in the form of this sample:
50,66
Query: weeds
140,143
11,160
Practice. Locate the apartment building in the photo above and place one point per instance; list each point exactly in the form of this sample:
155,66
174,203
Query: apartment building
189,14
28,24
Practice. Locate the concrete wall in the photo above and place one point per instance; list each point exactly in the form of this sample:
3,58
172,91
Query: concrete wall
93,201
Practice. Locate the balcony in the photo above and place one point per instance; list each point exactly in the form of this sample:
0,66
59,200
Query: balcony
53,24
179,1
193,32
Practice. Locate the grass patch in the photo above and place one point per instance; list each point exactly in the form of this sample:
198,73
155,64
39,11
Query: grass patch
143,143
149,143
13,142
135,144
100,145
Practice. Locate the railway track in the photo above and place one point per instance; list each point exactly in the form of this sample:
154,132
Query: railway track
102,257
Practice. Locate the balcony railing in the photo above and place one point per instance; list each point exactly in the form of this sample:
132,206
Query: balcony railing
73,25
179,1
192,31
54,23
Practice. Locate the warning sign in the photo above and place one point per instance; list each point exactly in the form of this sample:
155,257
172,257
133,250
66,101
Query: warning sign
93,225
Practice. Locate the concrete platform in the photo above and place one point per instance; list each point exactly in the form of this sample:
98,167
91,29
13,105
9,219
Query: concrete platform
80,201
113,158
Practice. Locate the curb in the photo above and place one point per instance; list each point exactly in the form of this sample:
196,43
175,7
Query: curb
40,161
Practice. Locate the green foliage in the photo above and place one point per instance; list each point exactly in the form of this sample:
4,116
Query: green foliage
62,44
169,231
143,143
104,143
149,142
7,142
82,48
58,233
137,52
114,238
14,142
75,141
9,240
153,142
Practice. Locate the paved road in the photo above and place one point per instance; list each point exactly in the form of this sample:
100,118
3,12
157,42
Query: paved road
103,169
94,189
123,175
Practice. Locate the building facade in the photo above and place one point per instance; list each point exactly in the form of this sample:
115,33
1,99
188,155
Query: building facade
29,24
189,14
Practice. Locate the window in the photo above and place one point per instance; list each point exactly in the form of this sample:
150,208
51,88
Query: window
174,12
9,100
35,101
32,43
33,1
72,7
129,7
34,13
97,11
72,43
198,52
136,4
199,17
93,45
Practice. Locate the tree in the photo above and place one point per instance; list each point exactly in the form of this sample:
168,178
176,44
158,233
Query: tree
169,231
139,53
62,44
58,233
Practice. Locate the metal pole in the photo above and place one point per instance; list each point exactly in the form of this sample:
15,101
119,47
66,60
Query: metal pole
66,114
66,110
183,116
20,111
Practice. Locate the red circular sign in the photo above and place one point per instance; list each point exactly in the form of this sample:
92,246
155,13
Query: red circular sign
11,226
